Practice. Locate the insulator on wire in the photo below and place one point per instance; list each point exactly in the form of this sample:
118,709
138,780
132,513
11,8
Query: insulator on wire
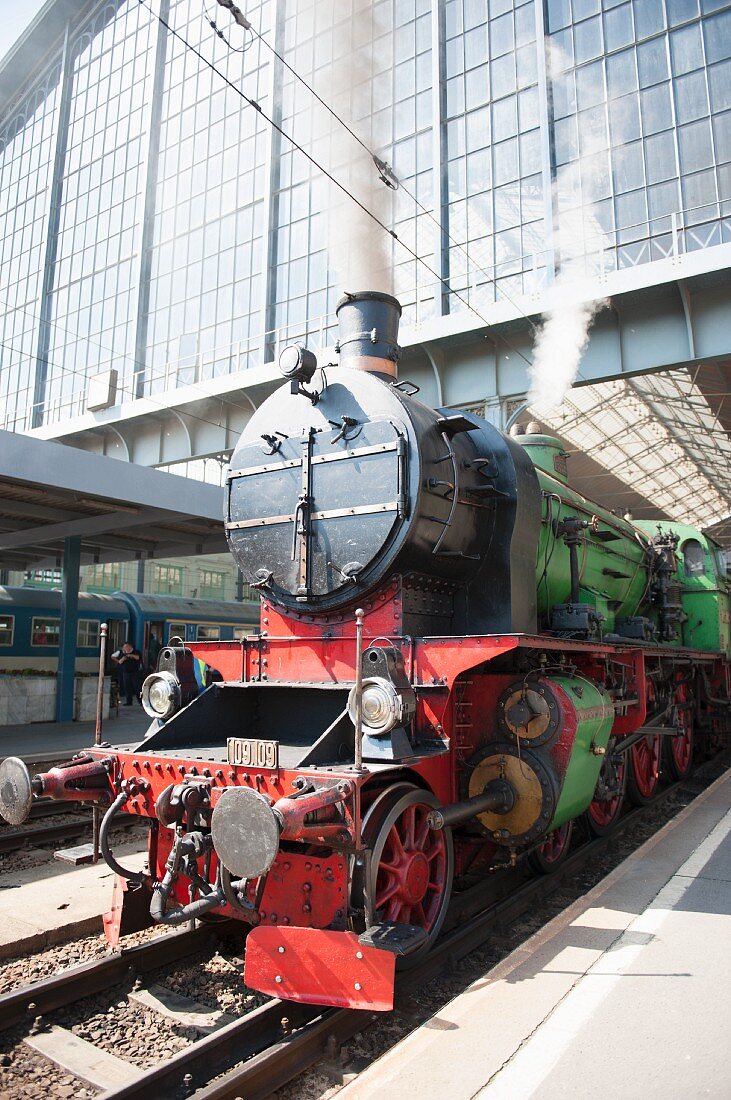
237,13
385,171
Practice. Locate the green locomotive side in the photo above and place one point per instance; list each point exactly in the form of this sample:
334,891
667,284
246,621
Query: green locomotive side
701,575
611,553
612,575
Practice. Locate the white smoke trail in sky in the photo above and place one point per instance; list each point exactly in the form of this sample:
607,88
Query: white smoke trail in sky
351,54
579,239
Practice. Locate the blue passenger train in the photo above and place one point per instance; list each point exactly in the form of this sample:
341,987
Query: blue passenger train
30,620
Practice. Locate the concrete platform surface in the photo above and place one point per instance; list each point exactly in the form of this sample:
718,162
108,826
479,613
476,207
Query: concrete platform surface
626,994
38,905
39,740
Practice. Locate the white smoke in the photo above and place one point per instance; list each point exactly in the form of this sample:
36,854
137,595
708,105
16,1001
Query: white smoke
353,76
557,352
579,244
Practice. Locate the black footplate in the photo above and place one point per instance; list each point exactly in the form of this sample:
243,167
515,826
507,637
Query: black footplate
399,939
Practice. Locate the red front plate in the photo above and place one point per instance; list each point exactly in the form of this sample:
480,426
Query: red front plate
319,967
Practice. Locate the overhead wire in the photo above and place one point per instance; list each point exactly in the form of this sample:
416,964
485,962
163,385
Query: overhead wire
337,183
374,157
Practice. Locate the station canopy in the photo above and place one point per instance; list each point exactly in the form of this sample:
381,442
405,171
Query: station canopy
654,444
121,512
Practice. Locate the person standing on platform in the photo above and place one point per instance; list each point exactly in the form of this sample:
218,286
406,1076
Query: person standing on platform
130,662
153,651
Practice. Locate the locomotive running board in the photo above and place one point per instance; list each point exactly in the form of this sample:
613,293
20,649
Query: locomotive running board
319,967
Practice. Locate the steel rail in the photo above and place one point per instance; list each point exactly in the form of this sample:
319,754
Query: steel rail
78,982
45,807
17,840
296,1053
280,1040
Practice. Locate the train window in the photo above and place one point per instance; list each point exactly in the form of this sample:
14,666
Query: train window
177,630
694,558
44,631
207,633
7,629
87,633
240,632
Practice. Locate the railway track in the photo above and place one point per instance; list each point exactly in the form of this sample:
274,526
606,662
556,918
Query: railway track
16,839
278,1041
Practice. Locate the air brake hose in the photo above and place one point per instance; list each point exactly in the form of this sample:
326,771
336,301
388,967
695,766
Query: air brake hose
161,893
139,877
191,844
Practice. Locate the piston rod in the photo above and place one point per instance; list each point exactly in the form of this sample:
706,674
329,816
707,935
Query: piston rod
498,797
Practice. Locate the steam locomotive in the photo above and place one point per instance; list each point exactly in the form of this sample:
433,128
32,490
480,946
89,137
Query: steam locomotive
458,657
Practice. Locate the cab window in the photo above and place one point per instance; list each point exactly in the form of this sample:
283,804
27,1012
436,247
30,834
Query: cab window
694,558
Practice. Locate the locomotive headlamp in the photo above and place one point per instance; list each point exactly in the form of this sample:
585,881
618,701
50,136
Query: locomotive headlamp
382,705
161,695
297,364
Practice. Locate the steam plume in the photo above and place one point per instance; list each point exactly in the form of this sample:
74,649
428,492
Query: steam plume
580,240
352,50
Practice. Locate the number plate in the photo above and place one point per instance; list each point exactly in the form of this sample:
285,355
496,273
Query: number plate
250,753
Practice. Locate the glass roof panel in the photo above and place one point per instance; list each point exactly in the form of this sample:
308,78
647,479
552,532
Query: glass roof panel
657,433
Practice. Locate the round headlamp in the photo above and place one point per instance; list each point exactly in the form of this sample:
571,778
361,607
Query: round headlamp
161,695
382,706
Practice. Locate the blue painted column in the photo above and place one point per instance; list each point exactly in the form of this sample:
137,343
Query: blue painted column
67,630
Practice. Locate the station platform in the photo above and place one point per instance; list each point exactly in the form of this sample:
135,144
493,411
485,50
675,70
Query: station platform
626,993
53,740
43,906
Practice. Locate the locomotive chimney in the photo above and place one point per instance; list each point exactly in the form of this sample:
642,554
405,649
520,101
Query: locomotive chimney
368,332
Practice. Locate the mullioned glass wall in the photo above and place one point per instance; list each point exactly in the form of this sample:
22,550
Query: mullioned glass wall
26,159
153,221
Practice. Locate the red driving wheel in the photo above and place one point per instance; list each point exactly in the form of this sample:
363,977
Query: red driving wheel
644,769
679,749
603,812
412,865
549,855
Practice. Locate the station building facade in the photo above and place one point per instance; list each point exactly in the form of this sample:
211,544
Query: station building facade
158,233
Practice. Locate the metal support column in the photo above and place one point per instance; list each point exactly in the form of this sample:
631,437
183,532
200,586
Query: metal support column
239,597
272,177
141,575
67,629
439,154
45,308
548,150
148,219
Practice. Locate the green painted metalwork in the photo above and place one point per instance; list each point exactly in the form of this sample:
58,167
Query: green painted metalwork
595,713
702,576
612,575
612,559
